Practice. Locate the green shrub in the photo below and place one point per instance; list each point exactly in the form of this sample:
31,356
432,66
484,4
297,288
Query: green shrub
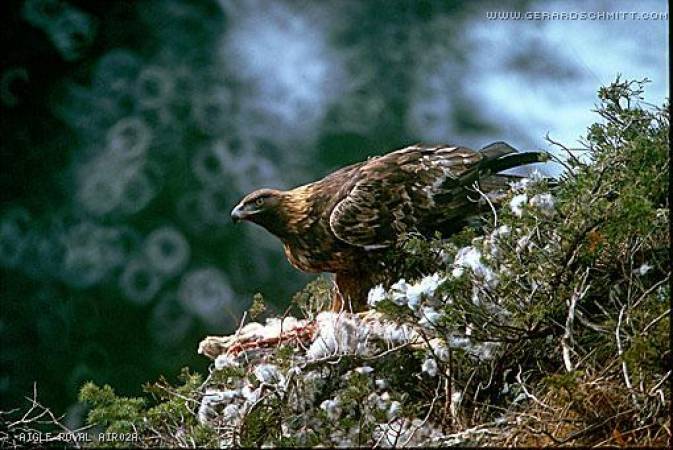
545,325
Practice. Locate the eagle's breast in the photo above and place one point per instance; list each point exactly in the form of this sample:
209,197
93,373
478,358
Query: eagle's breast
329,257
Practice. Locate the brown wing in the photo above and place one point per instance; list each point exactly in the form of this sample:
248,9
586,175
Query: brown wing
398,192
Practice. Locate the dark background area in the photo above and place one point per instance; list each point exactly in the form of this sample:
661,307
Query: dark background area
130,129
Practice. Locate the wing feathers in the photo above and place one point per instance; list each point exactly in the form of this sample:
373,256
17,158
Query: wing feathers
408,189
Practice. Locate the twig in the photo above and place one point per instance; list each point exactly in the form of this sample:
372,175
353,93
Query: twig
650,290
620,352
656,386
37,414
427,416
475,186
565,149
383,431
567,339
656,320
528,394
587,323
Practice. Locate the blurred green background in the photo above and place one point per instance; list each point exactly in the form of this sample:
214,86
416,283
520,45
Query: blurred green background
130,129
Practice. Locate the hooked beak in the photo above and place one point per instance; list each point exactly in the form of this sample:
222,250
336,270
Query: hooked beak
240,212
237,214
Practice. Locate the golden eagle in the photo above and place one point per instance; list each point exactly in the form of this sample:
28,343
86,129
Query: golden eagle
342,223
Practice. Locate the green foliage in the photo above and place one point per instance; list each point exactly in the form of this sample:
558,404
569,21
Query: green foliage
258,307
315,297
605,244
168,420
567,381
261,424
116,414
560,319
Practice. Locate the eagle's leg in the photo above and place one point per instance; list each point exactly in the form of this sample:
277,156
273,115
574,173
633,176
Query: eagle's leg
350,293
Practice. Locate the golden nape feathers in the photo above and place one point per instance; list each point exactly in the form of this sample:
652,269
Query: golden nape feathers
342,223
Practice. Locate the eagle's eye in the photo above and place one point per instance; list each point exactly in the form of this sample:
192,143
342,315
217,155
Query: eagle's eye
259,201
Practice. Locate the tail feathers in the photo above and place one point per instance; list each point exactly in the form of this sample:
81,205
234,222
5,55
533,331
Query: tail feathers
511,160
497,149
497,157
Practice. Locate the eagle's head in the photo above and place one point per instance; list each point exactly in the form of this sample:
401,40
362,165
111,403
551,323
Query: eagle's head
259,206
283,213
